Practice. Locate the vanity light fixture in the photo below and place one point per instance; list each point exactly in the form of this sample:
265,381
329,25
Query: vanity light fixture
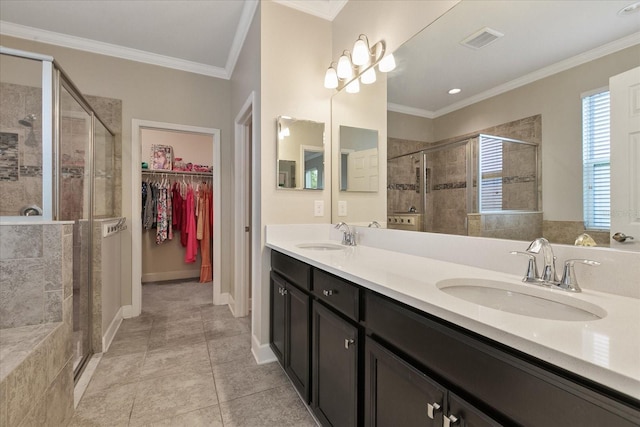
331,78
454,91
358,66
353,86
345,69
361,53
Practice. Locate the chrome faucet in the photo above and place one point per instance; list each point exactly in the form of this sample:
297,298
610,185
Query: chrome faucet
348,236
375,224
549,268
548,277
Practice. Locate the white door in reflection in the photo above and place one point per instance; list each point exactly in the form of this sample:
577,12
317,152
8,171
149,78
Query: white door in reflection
625,158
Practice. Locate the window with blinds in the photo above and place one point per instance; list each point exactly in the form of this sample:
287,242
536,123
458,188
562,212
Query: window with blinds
491,170
596,164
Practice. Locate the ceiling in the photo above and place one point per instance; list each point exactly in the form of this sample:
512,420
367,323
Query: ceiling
200,36
540,38
205,37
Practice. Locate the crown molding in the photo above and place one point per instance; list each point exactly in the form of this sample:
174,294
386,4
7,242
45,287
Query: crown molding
325,9
574,61
249,9
78,43
412,111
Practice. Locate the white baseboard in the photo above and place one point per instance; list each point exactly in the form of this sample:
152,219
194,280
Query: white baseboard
110,333
127,312
170,275
222,299
261,352
232,305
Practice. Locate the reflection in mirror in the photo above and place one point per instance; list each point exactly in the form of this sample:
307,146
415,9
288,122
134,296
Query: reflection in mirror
358,159
300,154
518,87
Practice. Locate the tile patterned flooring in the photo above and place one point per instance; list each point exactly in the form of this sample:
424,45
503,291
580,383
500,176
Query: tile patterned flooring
186,362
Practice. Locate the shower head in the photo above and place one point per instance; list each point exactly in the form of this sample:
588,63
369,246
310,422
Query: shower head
28,120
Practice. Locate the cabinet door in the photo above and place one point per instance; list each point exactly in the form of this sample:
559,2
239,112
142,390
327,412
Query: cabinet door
278,317
397,394
298,340
335,370
463,414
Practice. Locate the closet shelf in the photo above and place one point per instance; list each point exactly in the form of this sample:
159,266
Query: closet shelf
168,172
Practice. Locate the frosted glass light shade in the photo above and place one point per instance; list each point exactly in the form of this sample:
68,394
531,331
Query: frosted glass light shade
368,76
331,79
353,87
345,69
388,63
361,54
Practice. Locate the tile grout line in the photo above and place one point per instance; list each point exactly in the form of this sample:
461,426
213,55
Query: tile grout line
213,376
144,358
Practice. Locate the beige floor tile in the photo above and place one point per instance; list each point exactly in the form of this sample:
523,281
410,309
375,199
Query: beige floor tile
220,328
169,396
226,349
176,359
278,407
205,417
108,407
116,370
244,376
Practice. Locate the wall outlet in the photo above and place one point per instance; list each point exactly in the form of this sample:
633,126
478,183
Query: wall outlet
318,208
342,208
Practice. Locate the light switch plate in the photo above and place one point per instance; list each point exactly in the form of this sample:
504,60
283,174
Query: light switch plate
342,208
318,208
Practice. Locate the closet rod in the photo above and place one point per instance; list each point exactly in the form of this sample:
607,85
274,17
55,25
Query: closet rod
180,173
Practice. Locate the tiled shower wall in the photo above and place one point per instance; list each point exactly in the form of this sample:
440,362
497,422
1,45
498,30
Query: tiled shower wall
36,386
35,273
20,162
21,154
447,182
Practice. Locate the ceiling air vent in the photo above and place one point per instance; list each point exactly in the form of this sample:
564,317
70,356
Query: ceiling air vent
481,38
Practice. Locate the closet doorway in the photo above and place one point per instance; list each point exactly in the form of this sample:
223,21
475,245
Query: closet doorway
173,154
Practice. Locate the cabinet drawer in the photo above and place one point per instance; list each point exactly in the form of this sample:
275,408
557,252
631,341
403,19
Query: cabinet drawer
337,293
506,384
293,270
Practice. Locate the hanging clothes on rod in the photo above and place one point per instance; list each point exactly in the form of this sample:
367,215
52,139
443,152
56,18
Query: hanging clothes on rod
184,204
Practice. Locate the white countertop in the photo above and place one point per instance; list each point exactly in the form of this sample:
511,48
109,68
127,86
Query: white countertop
606,350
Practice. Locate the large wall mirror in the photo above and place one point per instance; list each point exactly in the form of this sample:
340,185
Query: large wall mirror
300,154
523,91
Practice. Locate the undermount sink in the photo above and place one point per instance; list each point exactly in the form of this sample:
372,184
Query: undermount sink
321,246
518,299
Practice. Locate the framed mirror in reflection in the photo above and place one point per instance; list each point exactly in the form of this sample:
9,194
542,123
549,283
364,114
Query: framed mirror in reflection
359,165
526,85
300,154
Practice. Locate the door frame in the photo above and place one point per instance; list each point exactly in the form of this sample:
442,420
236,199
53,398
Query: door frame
245,139
136,201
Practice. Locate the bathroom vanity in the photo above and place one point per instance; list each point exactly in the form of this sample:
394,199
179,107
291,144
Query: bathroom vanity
363,351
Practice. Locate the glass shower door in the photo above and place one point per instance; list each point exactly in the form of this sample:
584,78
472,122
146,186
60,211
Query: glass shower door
75,204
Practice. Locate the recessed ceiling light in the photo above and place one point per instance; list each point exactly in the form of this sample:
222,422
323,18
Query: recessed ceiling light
632,8
454,91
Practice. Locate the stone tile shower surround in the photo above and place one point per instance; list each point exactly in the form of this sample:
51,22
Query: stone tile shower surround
21,172
446,209
36,372
20,162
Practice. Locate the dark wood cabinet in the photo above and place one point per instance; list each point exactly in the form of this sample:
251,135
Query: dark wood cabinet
361,358
397,394
290,331
335,368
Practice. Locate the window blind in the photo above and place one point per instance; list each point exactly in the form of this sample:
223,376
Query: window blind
596,148
491,167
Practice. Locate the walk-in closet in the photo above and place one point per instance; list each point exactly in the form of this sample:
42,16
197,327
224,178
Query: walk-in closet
177,206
